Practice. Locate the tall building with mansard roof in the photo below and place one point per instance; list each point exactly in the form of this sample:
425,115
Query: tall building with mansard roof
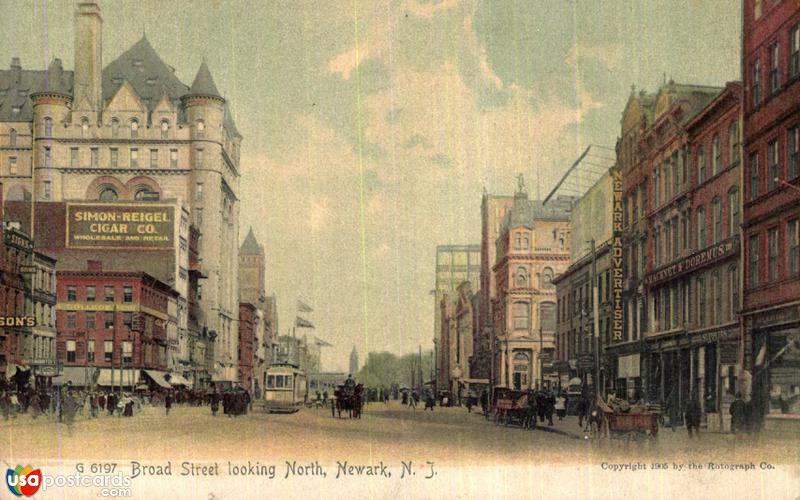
131,132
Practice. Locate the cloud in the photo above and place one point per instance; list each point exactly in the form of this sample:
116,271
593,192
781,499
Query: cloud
346,62
429,8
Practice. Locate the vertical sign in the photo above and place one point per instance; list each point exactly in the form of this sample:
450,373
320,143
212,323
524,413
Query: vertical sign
617,212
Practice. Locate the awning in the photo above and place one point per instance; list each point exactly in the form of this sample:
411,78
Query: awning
178,379
476,381
158,378
75,375
128,377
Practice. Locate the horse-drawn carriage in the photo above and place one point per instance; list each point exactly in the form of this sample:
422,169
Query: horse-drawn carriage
514,407
349,399
627,421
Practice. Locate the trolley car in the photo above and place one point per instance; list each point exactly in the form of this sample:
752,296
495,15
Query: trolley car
285,390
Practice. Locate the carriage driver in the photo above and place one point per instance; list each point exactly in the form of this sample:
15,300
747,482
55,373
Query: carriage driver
350,384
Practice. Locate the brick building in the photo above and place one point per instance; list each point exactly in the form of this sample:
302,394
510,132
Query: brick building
771,215
248,320
112,318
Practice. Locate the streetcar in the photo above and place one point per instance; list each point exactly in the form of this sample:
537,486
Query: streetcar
285,389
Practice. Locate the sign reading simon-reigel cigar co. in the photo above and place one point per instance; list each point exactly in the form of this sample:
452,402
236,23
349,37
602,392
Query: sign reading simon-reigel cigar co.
699,259
119,225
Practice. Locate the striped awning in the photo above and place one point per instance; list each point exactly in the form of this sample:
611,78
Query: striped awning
158,378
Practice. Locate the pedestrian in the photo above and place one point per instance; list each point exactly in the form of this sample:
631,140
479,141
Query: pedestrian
93,405
5,405
168,402
412,402
101,401
692,416
324,397
672,409
469,404
737,411
110,404
561,406
35,405
214,404
550,403
430,402
485,402
583,409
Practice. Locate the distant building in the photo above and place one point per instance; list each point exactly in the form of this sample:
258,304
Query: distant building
353,362
248,321
459,314
455,264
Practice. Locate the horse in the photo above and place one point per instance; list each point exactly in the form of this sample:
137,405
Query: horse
352,402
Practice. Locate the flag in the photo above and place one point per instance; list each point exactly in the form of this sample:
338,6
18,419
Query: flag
303,307
321,343
302,323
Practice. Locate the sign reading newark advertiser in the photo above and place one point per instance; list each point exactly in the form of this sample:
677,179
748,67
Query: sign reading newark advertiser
116,225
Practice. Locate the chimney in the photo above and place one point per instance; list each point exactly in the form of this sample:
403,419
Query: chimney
94,266
16,69
88,55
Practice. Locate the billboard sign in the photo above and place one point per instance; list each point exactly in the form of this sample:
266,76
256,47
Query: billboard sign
142,226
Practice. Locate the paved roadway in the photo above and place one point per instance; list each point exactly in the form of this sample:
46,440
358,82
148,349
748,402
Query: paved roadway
447,435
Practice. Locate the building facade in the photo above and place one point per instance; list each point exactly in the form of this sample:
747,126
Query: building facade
771,313
532,248
248,322
455,264
131,132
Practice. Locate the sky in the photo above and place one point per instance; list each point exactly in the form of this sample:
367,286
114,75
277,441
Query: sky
372,127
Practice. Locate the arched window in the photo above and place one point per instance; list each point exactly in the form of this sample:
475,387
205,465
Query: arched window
108,193
716,219
12,138
716,152
201,129
734,142
48,126
701,228
526,242
547,316
521,277
521,315
701,164
114,128
164,129
84,127
145,193
518,241
733,211
134,129
522,367
546,278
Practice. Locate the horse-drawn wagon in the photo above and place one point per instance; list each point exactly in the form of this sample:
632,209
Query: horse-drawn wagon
512,407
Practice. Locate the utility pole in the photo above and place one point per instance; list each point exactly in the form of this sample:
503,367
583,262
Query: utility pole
596,325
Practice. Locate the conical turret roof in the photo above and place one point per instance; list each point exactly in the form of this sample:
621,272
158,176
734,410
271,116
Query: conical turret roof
204,83
250,245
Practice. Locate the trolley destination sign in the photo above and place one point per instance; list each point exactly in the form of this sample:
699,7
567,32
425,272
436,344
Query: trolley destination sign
696,260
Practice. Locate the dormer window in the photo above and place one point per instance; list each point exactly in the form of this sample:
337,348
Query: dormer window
114,128
15,110
138,63
12,138
164,129
151,81
134,129
84,127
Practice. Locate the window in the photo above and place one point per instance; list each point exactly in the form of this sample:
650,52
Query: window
701,164
12,165
701,228
716,219
547,316
153,158
73,157
70,351
134,158
547,278
127,319
91,316
84,127
199,158
95,157
754,176
127,293
772,254
12,138
701,301
164,129
521,315
716,309
656,188
108,293
48,127
734,142
757,8
733,287
47,156
71,320
90,293
198,216
772,165
108,194
108,350
144,193
72,293
667,241
774,68
127,351
733,211
521,370
794,51
753,261
756,83
716,152
793,243
198,195
792,147
201,129
48,189
173,158
90,351
114,158
521,278
108,320
134,129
